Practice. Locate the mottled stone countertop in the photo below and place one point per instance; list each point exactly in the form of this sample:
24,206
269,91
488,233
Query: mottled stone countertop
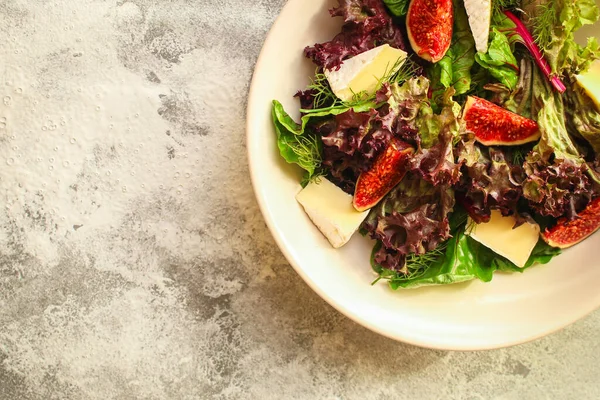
134,262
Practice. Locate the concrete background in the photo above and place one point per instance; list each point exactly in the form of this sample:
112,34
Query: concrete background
134,262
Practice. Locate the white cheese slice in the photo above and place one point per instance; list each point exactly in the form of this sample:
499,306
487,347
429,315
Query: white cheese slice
363,72
498,234
331,210
590,82
480,19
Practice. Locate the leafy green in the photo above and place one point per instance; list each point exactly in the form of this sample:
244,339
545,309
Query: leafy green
500,5
294,146
412,219
554,25
299,146
583,117
519,99
460,259
500,60
551,118
430,125
454,69
557,182
324,99
398,8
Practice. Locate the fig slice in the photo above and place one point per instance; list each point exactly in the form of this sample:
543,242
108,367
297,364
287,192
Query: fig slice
429,27
568,233
386,172
496,126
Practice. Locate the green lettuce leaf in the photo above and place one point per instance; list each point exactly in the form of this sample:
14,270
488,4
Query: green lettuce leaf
549,110
299,146
398,8
460,259
554,25
454,69
500,60
583,118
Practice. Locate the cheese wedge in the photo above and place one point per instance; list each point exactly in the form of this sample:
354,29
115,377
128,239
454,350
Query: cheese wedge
331,210
363,72
498,235
480,19
590,82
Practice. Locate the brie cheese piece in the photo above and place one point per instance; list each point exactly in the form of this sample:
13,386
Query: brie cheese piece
590,82
480,19
331,210
363,72
498,235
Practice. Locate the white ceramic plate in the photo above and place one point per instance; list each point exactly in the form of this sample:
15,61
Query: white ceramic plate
512,309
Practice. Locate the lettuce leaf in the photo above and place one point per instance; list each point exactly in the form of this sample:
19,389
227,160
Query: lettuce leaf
557,182
366,26
297,144
554,25
294,146
583,117
398,8
460,259
491,181
412,219
500,60
454,69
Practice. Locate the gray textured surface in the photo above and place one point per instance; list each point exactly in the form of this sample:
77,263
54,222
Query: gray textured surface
134,262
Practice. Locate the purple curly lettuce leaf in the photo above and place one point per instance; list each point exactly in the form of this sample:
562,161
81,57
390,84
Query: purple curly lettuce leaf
412,219
366,26
351,128
558,188
558,178
353,140
436,164
490,181
306,98
434,160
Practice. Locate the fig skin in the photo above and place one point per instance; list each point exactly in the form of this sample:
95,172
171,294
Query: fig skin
496,126
567,233
387,171
429,26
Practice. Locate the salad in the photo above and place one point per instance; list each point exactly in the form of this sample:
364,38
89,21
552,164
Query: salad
462,136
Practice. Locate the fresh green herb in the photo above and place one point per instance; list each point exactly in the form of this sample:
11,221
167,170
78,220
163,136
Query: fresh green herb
398,8
416,264
554,23
454,70
295,145
498,6
463,259
324,96
409,69
500,60
545,19
326,100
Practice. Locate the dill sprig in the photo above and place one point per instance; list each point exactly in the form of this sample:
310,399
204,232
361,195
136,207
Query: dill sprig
500,5
325,99
418,264
415,266
545,20
308,150
324,96
409,69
